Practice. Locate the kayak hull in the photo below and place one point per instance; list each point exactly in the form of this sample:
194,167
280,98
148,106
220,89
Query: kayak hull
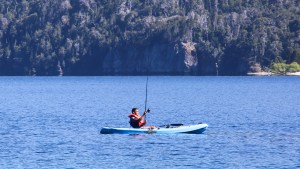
191,129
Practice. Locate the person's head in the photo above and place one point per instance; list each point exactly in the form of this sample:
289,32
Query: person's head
135,111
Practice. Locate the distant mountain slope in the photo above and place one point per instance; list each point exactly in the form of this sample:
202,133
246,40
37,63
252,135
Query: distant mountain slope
174,37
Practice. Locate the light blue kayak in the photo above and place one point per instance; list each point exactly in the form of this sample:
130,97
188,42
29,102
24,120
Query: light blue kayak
166,129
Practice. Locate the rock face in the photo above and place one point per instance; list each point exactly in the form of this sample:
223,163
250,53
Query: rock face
156,59
174,58
190,57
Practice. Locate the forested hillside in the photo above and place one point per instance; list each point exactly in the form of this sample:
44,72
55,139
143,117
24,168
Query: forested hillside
116,37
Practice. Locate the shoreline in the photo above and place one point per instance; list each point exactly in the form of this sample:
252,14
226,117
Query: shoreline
273,74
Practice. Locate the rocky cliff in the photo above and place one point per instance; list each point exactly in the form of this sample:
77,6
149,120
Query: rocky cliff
134,37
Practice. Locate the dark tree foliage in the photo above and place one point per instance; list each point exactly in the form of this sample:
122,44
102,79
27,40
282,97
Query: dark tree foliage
44,37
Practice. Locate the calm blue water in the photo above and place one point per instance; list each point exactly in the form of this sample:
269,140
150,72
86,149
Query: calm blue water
54,122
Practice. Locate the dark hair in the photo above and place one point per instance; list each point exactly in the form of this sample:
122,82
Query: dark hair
133,110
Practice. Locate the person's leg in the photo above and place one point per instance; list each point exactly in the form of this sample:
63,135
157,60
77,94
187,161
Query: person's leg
149,127
142,123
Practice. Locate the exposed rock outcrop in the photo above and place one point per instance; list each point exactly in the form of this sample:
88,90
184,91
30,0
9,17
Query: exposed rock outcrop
190,57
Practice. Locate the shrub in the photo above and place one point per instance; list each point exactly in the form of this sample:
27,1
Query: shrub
294,67
279,68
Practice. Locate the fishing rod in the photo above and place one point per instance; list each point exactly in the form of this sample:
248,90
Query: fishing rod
146,99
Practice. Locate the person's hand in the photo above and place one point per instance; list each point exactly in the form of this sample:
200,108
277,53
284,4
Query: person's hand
145,113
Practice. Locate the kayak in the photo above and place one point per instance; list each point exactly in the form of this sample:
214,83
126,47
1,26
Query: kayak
165,129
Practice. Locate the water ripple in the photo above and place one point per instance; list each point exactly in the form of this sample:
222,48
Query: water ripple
53,122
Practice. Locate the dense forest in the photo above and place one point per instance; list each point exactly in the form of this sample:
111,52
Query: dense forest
132,37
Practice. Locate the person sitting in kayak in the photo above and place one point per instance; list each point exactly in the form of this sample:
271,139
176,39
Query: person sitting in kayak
137,121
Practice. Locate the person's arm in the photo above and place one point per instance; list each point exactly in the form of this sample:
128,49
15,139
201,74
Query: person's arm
142,117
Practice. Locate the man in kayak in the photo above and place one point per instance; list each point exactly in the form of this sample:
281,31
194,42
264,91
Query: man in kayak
137,121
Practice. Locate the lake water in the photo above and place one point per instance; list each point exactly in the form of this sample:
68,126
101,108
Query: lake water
54,122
